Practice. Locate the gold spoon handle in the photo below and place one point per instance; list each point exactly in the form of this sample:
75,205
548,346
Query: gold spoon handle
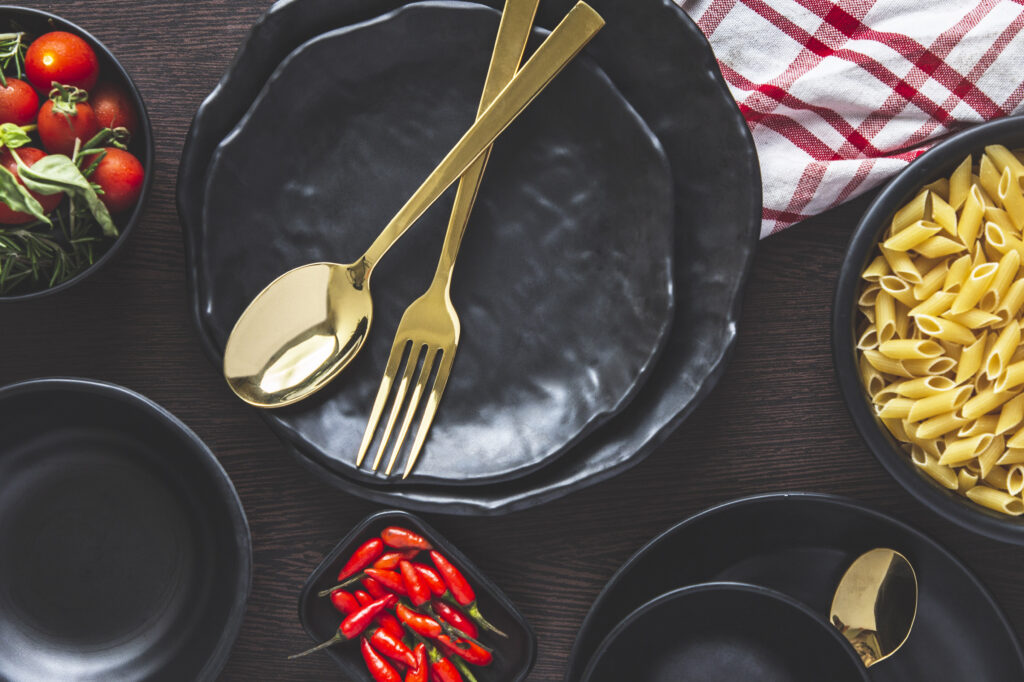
513,32
557,50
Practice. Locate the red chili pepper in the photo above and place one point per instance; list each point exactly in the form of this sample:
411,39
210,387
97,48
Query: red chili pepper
415,586
367,553
455,618
466,650
354,624
461,591
392,646
445,671
391,580
390,560
384,619
379,668
417,622
421,671
375,588
432,578
403,538
344,602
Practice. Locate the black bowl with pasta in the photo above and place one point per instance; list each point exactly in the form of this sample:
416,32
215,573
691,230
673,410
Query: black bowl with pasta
927,336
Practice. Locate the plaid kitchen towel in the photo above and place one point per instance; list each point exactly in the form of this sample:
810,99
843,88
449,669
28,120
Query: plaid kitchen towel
840,95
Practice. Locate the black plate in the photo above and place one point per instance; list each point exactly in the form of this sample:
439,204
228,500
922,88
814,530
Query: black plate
936,162
800,544
38,22
124,550
563,286
724,632
513,657
664,66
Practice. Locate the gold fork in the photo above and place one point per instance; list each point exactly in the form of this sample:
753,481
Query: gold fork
430,328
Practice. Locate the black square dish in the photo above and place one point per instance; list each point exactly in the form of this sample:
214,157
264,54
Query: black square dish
513,657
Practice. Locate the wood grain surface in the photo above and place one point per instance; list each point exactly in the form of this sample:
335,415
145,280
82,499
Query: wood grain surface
777,405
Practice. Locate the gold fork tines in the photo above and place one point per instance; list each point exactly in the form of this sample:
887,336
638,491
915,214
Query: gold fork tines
429,329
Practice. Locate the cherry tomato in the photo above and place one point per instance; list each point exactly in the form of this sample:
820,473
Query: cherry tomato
18,103
49,201
62,57
120,175
58,130
113,107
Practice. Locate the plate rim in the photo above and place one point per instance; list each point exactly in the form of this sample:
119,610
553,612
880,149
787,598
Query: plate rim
219,477
621,573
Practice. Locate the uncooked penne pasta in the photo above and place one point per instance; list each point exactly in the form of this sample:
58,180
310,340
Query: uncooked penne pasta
878,268
940,403
940,330
996,500
970,359
1004,347
944,329
973,288
960,183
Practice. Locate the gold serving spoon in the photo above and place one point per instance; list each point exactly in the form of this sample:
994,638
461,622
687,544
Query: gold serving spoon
875,604
308,324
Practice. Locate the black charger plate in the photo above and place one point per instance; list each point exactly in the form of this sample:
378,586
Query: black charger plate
664,67
124,550
513,656
724,632
800,544
563,286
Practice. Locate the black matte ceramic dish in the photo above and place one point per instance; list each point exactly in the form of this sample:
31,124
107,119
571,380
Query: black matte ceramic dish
513,657
724,632
936,162
563,284
37,22
124,550
800,544
662,64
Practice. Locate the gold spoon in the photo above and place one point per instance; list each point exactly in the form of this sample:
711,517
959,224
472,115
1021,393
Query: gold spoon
875,604
308,324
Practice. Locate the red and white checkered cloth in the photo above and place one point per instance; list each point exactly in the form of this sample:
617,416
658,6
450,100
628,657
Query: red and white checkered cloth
840,95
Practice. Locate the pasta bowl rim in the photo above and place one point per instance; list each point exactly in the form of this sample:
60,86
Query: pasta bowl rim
942,158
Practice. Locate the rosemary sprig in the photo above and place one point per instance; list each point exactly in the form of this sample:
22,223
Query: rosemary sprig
12,53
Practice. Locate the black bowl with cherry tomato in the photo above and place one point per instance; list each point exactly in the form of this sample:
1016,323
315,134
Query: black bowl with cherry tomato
69,106
373,540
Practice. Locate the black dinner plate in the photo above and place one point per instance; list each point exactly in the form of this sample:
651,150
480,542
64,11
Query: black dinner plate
800,544
724,632
124,550
563,286
664,66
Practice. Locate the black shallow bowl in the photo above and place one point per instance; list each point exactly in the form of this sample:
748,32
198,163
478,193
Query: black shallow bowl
933,164
37,22
800,544
513,657
124,550
723,632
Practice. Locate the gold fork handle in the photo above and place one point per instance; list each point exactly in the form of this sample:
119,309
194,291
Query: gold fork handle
513,32
557,50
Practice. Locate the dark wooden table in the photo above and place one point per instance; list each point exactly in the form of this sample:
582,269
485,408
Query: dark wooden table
777,404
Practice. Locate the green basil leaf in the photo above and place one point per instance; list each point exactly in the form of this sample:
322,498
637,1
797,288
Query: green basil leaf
12,136
57,173
14,194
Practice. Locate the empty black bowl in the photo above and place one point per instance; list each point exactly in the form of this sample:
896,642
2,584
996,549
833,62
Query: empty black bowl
933,164
37,22
513,657
724,632
124,550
